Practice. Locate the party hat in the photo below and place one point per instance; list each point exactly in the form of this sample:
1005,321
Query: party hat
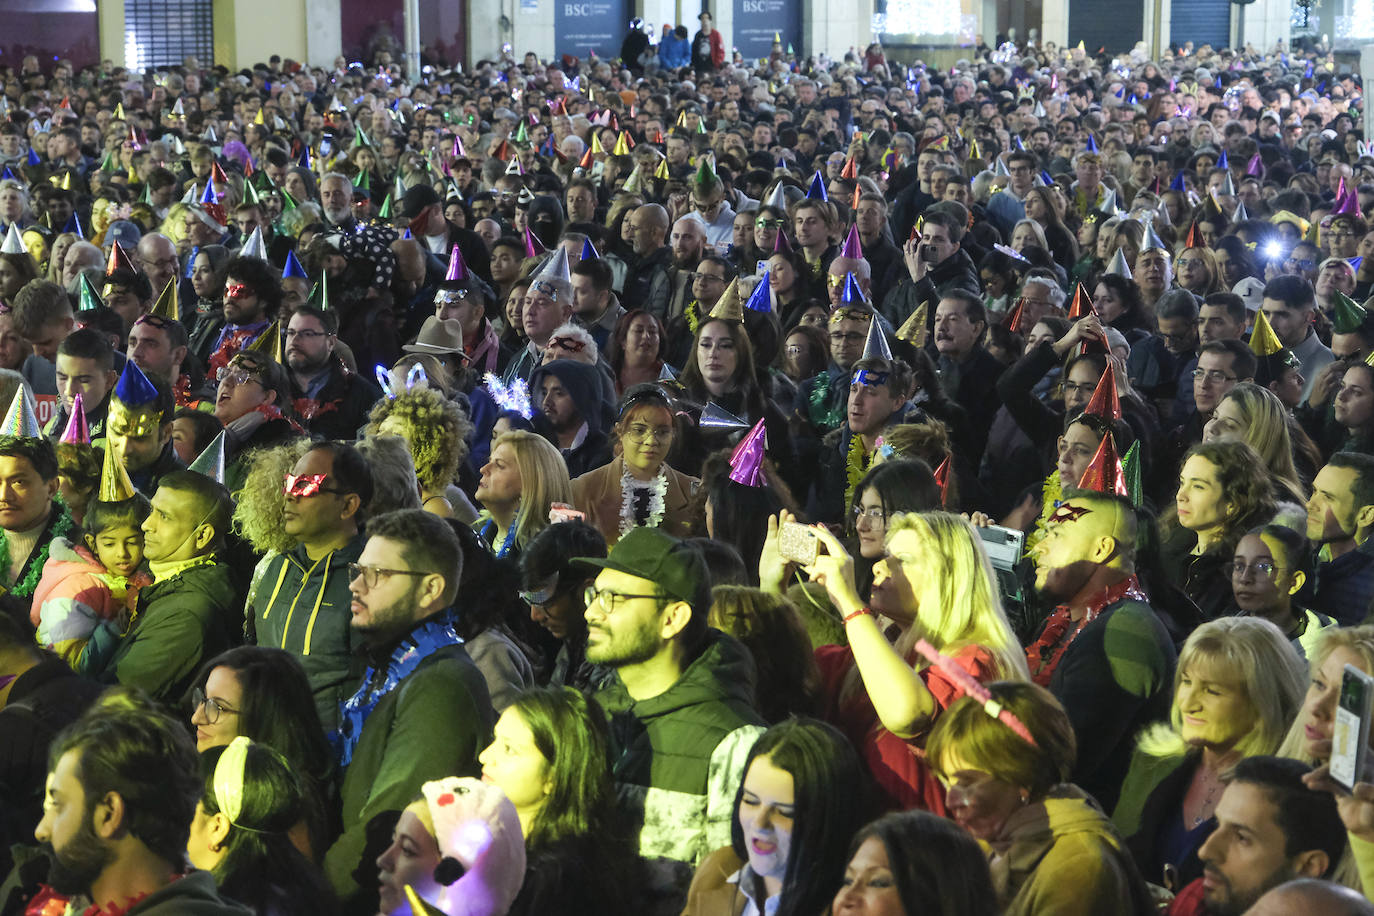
86,296
1082,305
634,184
746,461
875,347
1000,169
1255,167
168,304
384,212
1105,402
211,461
781,245
14,243
1118,265
1228,186
1016,318
77,431
293,267
622,144
728,306
1194,239
533,247
705,177
254,247
1263,340
777,200
1152,241
1241,214
1348,207
319,294
852,293
268,343
852,248
942,481
553,278
1092,144
1105,474
1347,316
457,270
1130,468
589,252
761,299
1223,162
850,170
74,225
817,189
661,170
914,329
515,168
21,420
115,485
1177,184
713,416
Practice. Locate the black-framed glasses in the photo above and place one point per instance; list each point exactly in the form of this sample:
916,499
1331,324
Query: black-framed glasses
373,574
592,595
292,334
1212,375
214,708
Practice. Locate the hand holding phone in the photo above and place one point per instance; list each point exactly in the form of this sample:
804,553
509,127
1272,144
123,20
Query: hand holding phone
798,544
1350,735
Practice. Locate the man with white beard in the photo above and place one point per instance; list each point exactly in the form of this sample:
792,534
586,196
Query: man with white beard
336,199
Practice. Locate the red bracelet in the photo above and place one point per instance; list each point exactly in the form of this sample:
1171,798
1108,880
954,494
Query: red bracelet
861,612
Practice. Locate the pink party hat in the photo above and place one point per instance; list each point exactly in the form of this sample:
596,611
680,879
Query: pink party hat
746,461
852,248
77,431
457,270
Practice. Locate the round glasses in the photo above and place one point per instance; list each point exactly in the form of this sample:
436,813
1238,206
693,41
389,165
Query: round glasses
214,708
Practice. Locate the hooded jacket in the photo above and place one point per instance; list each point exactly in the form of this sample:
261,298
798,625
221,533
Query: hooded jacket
302,606
681,754
583,384
1061,855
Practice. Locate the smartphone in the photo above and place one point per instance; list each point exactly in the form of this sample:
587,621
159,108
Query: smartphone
798,544
1350,736
1003,546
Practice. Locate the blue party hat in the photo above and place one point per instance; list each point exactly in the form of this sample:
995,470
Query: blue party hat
761,299
588,251
133,388
293,267
817,189
191,262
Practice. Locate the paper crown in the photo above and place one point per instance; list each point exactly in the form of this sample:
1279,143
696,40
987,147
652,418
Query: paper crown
115,485
1105,402
21,420
761,299
1104,473
210,462
457,270
746,461
133,388
168,304
1118,265
875,347
254,247
713,416
1263,340
554,279
728,307
1347,315
817,189
852,248
914,329
293,267
78,432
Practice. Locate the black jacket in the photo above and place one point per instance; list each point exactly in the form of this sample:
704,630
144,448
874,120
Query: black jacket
342,405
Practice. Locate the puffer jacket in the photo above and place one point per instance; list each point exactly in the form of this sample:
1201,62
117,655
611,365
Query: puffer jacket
75,594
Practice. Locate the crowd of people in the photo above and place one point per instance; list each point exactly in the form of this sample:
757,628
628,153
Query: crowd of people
686,485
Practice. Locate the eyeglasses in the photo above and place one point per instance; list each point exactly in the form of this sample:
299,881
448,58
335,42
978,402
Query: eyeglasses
1212,375
839,337
705,278
168,263
214,708
305,485
1265,569
641,433
613,599
1075,388
236,377
876,516
292,334
374,574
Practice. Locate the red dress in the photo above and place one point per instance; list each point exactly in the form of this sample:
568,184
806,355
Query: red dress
904,778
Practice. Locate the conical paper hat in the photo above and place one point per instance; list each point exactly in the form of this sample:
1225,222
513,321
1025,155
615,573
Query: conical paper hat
1118,265
1347,316
1104,474
746,461
115,485
914,329
21,420
168,304
761,299
875,347
852,248
14,243
1105,402
1082,305
728,307
254,247
1263,340
78,431
713,416
553,278
211,461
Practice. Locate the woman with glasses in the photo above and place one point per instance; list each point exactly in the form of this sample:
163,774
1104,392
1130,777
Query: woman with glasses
638,487
263,694
1197,272
1224,490
1237,686
1270,566
933,584
890,490
254,405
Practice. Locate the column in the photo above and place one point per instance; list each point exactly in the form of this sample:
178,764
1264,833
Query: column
323,32
110,15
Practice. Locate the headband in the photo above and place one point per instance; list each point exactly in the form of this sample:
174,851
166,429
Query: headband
228,779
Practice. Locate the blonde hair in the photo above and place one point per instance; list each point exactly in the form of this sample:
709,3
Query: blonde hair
1255,653
1267,432
1359,640
957,602
543,481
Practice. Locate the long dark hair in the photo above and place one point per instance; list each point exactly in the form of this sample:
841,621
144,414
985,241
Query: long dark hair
615,349
905,485
830,804
745,379
938,868
571,732
261,867
740,512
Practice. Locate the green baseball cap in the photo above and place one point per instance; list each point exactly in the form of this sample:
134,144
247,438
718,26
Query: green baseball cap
673,565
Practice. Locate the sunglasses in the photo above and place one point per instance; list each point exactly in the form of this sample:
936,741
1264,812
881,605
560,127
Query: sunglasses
305,485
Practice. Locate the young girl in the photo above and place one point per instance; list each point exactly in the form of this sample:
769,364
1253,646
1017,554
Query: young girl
84,584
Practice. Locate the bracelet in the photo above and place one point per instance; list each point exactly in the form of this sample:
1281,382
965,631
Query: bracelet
861,612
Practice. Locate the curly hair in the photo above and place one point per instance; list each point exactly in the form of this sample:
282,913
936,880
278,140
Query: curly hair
1245,484
445,431
259,515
